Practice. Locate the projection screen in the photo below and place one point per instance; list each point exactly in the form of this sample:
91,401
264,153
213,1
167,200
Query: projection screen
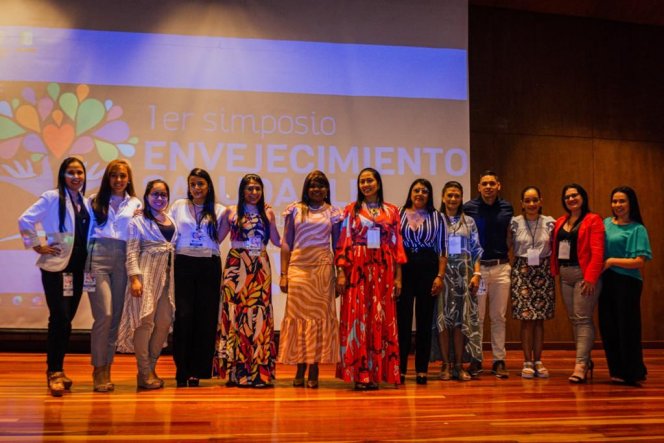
274,88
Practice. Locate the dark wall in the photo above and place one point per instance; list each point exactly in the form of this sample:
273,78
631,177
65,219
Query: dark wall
556,99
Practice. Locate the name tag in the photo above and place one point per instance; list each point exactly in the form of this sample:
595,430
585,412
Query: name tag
196,240
454,245
373,238
564,250
533,257
67,284
89,282
254,245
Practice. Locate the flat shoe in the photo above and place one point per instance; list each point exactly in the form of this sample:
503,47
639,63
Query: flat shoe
313,384
298,382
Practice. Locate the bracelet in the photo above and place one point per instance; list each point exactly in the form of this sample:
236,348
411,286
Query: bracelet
477,273
440,276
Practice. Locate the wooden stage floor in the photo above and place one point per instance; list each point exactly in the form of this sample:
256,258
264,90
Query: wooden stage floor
487,409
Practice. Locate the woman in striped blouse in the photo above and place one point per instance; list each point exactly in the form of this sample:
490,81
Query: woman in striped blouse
423,233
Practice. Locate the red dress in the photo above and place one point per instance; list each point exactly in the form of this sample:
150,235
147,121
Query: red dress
368,327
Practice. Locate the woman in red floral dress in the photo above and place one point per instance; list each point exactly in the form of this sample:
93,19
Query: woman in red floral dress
369,256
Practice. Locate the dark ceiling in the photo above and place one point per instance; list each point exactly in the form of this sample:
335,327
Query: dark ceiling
649,12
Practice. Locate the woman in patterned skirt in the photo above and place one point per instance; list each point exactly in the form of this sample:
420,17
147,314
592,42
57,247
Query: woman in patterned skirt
245,346
369,256
533,287
457,318
309,330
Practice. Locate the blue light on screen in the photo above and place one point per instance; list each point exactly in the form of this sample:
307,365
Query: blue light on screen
233,64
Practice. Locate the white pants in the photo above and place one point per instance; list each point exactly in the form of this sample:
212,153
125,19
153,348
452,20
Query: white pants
496,287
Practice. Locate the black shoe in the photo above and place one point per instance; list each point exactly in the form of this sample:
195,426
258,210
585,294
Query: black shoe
403,379
421,380
260,384
231,384
499,370
361,386
475,368
193,382
181,383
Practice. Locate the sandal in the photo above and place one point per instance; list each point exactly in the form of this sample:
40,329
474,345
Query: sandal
540,370
528,371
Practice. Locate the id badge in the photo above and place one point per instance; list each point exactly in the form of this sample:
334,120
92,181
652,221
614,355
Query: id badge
373,238
196,239
67,284
254,246
533,257
481,289
89,282
563,250
454,245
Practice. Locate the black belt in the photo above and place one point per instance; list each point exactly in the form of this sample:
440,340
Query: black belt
494,262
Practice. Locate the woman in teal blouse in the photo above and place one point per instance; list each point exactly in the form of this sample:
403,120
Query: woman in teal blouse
627,249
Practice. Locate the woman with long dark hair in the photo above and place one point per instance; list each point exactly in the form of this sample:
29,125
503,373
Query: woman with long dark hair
149,301
423,233
457,316
368,258
309,330
246,351
627,250
114,206
578,257
197,279
64,215
533,286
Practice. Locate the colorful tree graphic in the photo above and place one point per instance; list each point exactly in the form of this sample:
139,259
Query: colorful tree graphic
57,125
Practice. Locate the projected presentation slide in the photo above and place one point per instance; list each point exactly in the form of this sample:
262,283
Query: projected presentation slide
171,101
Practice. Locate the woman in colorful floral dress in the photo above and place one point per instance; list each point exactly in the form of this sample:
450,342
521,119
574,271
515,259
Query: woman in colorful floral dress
369,256
245,347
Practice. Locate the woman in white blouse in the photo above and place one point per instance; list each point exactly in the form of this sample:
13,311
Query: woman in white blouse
64,215
113,207
533,287
197,279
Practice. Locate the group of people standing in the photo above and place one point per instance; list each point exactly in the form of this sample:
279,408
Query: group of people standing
148,267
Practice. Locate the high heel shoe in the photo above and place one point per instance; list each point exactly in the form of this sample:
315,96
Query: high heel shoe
67,382
298,381
99,379
144,380
461,374
55,383
312,381
445,372
582,372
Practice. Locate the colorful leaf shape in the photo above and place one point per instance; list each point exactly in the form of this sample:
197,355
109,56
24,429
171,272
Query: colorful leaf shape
9,128
44,107
114,113
69,103
9,147
82,92
115,132
29,95
6,109
34,143
53,90
127,149
82,145
26,116
91,112
107,151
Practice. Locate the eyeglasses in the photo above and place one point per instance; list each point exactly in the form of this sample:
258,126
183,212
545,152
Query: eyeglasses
571,196
424,191
158,195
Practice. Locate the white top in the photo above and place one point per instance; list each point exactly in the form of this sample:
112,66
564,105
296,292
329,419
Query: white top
45,212
532,234
117,223
193,239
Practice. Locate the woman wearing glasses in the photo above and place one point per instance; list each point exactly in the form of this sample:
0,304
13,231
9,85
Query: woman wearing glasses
578,256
